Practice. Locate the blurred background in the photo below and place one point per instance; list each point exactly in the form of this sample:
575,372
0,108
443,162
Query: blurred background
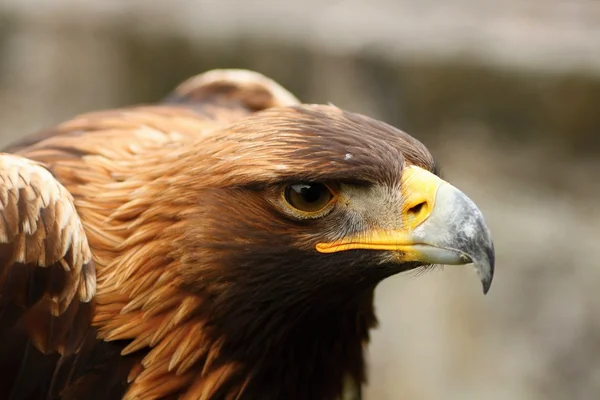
505,94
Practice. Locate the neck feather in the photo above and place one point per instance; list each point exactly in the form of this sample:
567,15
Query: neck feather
207,327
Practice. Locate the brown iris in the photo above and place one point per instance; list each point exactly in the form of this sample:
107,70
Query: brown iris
308,197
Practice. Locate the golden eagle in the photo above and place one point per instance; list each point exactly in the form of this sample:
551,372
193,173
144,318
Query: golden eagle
223,244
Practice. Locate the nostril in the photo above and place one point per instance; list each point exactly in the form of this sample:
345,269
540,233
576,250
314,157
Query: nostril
415,210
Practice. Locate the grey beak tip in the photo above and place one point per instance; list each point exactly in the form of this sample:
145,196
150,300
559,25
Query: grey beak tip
486,286
485,276
485,270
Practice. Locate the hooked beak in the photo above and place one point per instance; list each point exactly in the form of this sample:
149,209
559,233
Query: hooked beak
441,225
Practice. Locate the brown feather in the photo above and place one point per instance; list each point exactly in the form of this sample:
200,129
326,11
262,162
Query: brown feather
197,296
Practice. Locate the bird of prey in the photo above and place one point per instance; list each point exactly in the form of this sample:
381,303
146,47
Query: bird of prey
224,243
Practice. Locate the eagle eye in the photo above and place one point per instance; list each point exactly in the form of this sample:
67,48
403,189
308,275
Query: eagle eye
308,197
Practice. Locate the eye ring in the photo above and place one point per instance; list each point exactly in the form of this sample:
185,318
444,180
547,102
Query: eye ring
309,199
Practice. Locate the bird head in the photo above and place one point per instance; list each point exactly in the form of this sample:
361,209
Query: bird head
310,199
278,229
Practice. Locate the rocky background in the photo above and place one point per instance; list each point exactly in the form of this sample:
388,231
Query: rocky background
505,94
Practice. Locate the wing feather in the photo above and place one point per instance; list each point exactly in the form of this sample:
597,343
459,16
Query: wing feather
47,276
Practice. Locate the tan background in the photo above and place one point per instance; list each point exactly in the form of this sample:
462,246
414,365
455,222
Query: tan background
506,95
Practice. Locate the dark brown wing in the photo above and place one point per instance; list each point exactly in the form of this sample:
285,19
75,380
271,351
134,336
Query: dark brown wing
47,277
230,94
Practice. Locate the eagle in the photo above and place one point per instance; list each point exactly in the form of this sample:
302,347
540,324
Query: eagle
222,243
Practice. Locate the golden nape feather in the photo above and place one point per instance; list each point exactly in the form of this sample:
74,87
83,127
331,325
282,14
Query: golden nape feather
222,244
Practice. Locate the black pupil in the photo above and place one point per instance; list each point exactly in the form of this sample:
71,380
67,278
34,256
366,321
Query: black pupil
310,193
